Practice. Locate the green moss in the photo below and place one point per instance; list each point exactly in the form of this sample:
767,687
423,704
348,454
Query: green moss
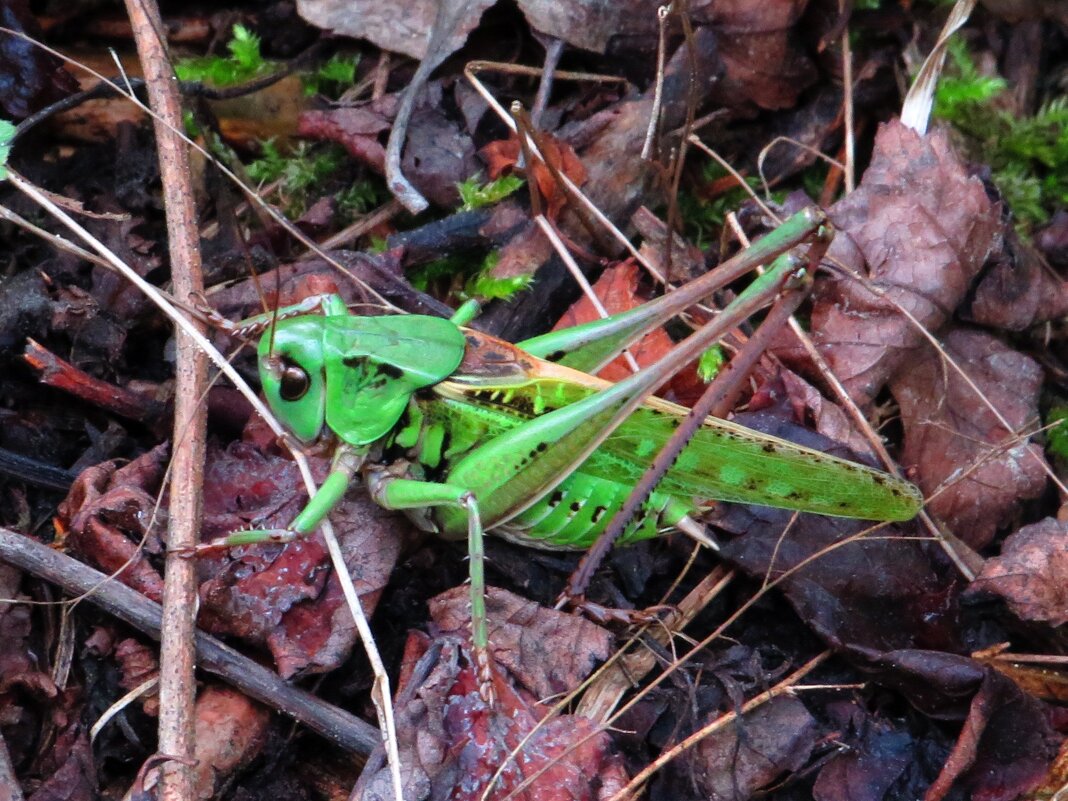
1057,435
702,218
1028,156
474,194
333,77
304,169
7,134
244,62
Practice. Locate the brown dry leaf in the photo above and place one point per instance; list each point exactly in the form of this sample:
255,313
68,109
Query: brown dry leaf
105,514
617,289
503,154
138,663
924,227
953,438
765,64
230,730
548,652
774,739
398,27
1030,572
1019,291
452,744
405,28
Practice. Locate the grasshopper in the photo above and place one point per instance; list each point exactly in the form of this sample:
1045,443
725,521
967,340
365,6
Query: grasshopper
466,432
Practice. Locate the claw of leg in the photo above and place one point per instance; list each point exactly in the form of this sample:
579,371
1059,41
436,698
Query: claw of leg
484,672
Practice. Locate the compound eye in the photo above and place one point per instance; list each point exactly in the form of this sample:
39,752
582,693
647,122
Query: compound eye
293,383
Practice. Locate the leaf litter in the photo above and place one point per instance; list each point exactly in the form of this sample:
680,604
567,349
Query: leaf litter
927,230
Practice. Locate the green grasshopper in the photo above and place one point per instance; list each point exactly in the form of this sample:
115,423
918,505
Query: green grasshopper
466,432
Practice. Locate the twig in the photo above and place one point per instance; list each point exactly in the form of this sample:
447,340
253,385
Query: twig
58,373
177,686
131,607
847,106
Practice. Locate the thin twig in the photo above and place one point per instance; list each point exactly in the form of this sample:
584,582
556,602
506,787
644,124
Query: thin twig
213,656
847,106
177,685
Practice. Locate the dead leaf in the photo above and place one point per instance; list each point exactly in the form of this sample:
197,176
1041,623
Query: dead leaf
548,652
1029,574
1019,290
1004,747
452,744
877,752
617,289
287,597
924,227
68,768
356,128
106,513
765,65
229,731
503,155
775,738
954,444
398,27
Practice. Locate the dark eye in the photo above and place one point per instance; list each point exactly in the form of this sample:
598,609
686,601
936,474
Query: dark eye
293,382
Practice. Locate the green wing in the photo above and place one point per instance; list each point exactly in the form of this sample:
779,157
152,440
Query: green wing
724,461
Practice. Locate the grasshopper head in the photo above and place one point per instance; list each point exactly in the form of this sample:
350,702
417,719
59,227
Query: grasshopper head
292,373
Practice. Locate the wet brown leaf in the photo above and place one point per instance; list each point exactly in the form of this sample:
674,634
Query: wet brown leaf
32,78
548,652
106,513
876,754
69,770
1004,748
1019,291
356,128
1052,240
229,731
953,439
924,227
774,739
878,592
1030,572
287,597
452,744
765,65
20,671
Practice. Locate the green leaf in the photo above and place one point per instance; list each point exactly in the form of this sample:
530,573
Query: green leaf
7,134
